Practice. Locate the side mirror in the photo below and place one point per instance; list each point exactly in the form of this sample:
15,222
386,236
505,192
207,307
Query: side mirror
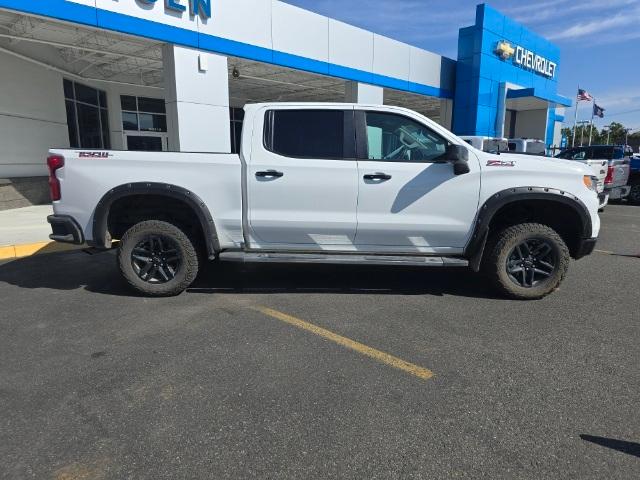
458,156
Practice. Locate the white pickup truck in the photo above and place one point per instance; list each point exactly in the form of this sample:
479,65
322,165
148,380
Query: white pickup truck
329,183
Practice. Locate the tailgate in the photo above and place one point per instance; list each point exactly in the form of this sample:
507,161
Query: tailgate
621,171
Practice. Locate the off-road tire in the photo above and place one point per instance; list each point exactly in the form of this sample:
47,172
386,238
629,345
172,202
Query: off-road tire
502,245
186,271
634,195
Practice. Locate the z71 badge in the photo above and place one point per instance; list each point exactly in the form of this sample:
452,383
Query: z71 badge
501,163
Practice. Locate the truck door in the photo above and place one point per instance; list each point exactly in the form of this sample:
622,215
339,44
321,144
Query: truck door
408,201
302,179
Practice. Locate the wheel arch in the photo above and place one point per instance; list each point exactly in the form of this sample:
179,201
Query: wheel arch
101,237
526,197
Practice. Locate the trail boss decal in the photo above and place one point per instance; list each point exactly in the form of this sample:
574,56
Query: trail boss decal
501,163
94,154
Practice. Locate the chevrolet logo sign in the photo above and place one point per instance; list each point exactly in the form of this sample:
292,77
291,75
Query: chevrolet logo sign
505,50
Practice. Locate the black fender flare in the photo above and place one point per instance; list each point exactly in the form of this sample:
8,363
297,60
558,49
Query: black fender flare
475,247
101,212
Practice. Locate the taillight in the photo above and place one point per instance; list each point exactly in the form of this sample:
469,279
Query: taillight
609,179
54,162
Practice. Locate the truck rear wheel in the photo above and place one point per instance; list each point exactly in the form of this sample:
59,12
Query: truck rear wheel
526,261
157,259
634,194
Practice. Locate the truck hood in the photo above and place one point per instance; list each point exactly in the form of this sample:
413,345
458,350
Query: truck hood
540,163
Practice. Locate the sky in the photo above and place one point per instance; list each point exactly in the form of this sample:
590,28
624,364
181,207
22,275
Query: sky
599,40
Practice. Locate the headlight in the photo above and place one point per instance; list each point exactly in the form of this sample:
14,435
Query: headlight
590,182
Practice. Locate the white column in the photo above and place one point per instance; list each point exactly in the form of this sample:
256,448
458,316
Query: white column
197,97
357,92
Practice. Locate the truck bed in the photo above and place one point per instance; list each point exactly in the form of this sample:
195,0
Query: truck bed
215,178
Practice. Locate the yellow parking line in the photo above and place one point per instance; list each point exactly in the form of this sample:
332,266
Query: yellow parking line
607,252
10,252
382,357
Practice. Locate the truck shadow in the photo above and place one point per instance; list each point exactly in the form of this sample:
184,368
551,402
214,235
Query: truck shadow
344,279
630,448
98,273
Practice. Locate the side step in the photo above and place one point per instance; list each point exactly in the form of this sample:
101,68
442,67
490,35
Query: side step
349,259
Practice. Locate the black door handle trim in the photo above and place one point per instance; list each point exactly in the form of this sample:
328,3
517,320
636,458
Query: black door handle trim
269,174
377,176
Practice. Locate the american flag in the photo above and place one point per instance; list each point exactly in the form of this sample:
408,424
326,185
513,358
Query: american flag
584,95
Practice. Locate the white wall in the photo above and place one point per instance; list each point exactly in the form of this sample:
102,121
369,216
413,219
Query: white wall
531,124
32,117
197,100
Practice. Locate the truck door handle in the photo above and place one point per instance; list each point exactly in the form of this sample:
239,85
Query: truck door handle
377,176
269,174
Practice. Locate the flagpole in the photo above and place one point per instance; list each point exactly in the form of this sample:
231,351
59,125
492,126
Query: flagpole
575,121
591,127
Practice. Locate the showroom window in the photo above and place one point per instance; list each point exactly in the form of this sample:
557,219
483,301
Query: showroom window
144,122
87,116
306,133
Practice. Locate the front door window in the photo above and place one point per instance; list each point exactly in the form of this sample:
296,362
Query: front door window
394,138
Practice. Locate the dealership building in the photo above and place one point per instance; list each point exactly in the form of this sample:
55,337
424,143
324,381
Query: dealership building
175,74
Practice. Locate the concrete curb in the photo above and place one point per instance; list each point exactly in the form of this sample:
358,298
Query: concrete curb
10,252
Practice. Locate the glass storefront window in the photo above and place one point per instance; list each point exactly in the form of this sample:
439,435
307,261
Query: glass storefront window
87,116
143,114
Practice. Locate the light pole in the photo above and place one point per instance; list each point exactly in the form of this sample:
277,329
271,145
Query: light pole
607,128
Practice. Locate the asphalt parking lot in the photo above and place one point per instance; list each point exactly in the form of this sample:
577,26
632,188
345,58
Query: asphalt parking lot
321,372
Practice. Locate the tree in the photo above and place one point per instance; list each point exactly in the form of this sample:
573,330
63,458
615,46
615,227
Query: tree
616,134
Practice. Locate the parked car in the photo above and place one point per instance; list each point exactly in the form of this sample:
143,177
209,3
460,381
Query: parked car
618,166
634,180
329,183
600,168
529,146
487,144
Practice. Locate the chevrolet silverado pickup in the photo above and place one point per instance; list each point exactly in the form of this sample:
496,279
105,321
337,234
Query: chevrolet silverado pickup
329,183
634,180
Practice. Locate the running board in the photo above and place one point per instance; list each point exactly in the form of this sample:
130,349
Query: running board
349,259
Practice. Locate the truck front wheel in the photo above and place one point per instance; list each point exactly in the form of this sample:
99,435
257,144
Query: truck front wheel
157,259
526,261
634,194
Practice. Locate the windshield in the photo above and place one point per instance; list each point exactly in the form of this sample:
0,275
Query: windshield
573,154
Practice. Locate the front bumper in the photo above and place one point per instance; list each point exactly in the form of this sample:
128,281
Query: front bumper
586,246
603,198
65,229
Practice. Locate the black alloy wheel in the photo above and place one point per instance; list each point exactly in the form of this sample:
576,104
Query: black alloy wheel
526,261
531,262
156,259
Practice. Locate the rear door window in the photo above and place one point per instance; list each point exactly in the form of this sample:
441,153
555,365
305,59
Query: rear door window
314,134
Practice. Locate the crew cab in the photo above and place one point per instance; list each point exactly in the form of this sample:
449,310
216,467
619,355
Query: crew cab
486,144
529,146
329,183
618,166
599,166
634,180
